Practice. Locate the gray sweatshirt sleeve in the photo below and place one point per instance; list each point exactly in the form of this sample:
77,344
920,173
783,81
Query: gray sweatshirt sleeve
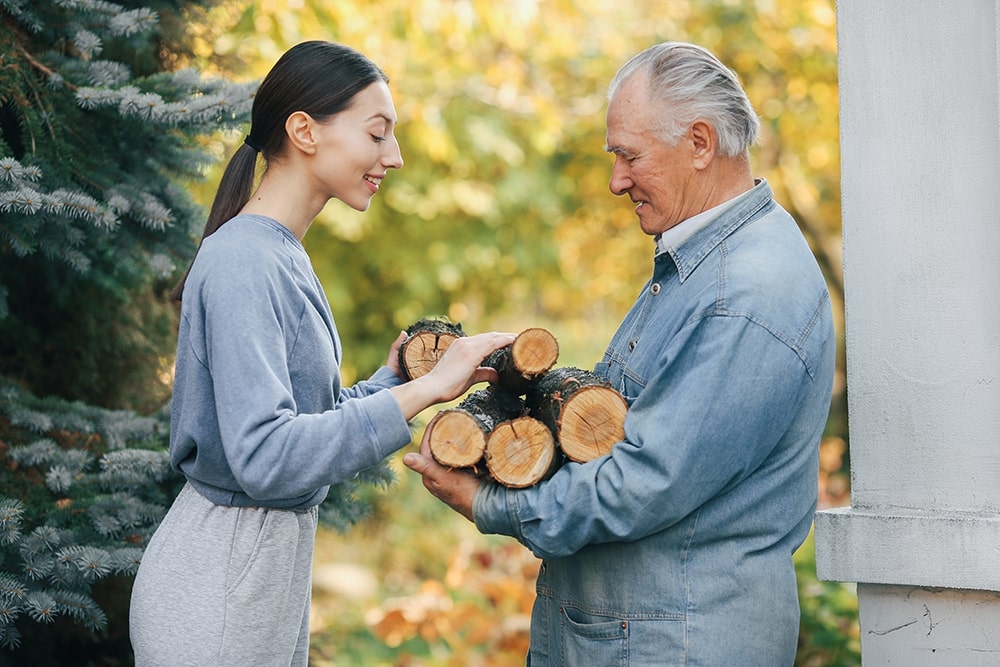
263,407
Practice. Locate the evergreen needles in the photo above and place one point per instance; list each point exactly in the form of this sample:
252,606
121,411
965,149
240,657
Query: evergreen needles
88,493
100,134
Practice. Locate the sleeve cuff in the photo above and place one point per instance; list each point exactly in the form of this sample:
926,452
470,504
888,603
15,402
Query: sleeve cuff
384,377
491,510
388,423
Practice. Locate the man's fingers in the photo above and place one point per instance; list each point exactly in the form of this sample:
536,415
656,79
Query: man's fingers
455,488
428,469
423,464
416,463
425,443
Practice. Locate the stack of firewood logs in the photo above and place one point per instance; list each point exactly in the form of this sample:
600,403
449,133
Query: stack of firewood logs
537,417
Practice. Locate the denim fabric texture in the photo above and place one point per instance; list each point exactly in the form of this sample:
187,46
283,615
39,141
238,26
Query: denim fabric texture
676,549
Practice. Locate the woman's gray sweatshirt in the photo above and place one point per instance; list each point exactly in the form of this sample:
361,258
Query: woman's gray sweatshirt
259,417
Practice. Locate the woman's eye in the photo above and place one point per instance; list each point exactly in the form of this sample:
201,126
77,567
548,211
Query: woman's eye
377,139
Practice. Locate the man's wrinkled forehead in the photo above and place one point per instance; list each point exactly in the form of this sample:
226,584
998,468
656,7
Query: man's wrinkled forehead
628,112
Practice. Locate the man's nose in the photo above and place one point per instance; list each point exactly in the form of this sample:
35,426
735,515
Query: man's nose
620,181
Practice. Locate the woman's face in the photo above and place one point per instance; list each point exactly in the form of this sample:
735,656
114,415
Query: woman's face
357,147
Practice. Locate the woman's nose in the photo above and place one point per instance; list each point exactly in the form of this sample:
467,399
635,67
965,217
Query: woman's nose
394,156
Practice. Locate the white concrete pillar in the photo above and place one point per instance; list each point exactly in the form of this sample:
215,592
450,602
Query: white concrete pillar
920,160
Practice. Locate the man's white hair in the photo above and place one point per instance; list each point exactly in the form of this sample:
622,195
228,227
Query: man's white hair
686,82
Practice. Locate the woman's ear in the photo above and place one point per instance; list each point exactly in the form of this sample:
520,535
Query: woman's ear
299,128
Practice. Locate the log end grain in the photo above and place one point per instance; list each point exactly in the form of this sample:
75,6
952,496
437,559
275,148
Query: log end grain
421,352
591,422
520,452
456,439
534,351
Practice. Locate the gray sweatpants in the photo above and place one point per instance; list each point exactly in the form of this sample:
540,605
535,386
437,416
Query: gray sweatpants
224,586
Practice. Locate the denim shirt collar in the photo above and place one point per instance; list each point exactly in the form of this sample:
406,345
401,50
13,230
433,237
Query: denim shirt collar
690,252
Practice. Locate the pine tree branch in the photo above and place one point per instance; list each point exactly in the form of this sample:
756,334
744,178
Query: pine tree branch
41,67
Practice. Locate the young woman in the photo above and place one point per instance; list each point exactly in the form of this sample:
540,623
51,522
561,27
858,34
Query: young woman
260,424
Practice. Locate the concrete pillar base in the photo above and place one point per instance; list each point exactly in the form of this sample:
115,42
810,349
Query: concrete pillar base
931,548
930,627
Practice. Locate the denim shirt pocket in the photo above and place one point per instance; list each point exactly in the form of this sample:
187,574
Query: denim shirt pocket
627,641
592,640
628,382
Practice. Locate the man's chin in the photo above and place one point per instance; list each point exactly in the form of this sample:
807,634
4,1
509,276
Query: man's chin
649,227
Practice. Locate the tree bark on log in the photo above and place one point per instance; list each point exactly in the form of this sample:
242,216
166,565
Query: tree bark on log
425,344
457,436
585,413
566,413
532,353
521,452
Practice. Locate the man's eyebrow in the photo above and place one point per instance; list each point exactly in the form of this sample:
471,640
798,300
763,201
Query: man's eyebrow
616,150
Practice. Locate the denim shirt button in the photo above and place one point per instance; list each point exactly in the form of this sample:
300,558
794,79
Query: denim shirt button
632,344
654,289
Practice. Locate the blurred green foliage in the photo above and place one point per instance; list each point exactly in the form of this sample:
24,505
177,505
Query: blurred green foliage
501,217
829,635
502,214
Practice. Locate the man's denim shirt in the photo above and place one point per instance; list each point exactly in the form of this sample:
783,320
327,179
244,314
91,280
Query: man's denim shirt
677,547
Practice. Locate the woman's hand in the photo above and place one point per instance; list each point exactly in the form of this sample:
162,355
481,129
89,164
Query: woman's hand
393,360
460,366
455,372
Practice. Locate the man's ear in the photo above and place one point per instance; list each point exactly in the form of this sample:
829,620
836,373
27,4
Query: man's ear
704,143
299,128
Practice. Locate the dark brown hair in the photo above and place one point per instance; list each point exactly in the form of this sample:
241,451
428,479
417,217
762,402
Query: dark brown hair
317,77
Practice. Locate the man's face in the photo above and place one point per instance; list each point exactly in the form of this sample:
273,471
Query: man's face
661,179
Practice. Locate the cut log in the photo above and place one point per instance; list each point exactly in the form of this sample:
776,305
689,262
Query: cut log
521,452
532,353
585,413
425,344
457,436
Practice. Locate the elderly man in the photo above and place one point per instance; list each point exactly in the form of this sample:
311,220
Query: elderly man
676,548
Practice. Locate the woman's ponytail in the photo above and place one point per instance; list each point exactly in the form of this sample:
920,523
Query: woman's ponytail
234,192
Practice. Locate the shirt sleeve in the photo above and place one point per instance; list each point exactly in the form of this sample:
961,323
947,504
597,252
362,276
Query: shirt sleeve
274,451
383,378
722,394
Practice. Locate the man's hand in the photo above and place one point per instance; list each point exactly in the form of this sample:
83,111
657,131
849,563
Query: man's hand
456,488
